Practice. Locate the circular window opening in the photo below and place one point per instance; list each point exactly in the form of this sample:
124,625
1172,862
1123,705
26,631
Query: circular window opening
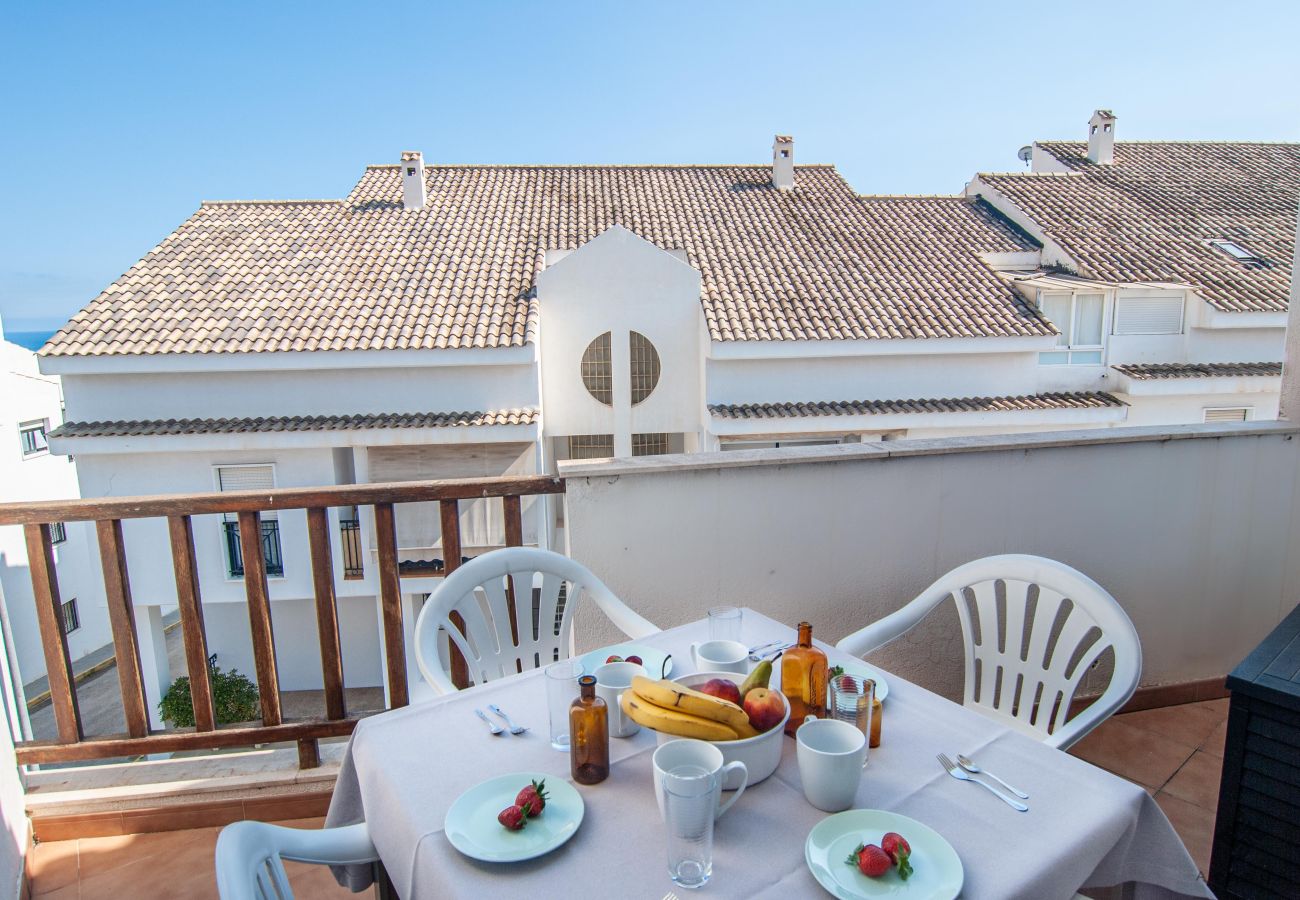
645,367
598,371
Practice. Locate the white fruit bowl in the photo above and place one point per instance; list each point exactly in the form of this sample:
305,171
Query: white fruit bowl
761,755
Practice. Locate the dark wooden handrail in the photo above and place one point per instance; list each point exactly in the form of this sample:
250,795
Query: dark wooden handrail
178,510
50,511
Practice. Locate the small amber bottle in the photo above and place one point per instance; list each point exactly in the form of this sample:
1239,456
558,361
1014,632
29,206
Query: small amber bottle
588,734
803,680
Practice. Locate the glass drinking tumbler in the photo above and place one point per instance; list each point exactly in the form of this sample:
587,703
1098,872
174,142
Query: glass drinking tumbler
690,799
724,623
851,700
561,691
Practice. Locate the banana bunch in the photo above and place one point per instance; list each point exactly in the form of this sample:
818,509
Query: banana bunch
676,709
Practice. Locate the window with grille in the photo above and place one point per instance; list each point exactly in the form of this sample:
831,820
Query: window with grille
69,616
32,436
649,444
58,534
591,446
645,367
1229,414
598,370
250,478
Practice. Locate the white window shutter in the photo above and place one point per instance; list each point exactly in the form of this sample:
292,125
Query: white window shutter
246,478
1149,315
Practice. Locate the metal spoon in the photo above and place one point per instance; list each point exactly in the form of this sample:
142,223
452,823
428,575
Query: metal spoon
514,729
496,729
969,766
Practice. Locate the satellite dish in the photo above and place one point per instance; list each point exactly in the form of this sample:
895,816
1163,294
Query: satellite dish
1025,153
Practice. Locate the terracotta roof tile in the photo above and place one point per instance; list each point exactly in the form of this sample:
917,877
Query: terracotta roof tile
815,263
1152,371
1078,400
293,423
1149,215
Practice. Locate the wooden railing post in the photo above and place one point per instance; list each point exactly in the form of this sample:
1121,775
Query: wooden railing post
126,645
49,615
390,601
327,614
190,601
449,516
259,614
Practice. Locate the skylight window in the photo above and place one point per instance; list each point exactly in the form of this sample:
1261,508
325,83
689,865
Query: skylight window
1235,250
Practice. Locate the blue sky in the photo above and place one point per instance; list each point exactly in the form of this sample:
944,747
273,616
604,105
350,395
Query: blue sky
120,117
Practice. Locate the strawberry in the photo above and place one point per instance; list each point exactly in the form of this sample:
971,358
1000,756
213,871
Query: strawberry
870,860
533,798
900,851
513,817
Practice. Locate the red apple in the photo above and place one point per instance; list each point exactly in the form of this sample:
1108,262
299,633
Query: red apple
722,689
765,708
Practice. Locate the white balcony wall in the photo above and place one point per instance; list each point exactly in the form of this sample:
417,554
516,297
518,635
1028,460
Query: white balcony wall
1191,528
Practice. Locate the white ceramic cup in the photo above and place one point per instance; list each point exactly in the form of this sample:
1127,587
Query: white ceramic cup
721,656
830,754
690,752
613,679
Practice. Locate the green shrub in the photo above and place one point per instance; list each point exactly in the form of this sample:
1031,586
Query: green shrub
233,695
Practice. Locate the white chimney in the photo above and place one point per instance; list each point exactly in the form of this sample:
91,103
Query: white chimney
1101,137
783,162
413,192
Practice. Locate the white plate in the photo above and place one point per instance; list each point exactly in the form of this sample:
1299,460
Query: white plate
473,829
857,669
937,872
652,659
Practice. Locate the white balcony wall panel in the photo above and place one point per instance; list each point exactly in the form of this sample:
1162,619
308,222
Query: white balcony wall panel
870,378
1235,345
147,545
1195,537
336,391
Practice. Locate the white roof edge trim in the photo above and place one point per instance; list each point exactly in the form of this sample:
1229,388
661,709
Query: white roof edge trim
156,363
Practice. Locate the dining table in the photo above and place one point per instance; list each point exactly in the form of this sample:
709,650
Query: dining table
1085,828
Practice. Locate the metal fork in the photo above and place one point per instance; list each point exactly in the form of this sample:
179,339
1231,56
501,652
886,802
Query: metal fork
514,729
969,766
496,729
961,774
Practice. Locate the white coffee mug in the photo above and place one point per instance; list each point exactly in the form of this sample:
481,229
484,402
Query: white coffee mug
613,679
830,754
690,752
721,656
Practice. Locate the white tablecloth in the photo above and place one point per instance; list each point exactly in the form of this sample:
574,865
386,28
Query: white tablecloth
1085,826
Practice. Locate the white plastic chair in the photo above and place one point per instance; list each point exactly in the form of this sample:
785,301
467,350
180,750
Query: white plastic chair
249,856
1009,675
477,590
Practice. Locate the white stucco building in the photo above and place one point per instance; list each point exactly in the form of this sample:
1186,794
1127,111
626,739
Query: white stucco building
458,320
30,408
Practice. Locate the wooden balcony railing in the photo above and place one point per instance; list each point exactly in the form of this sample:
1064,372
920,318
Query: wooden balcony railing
247,507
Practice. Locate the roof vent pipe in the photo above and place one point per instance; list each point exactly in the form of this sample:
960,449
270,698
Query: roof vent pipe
783,162
413,190
1101,137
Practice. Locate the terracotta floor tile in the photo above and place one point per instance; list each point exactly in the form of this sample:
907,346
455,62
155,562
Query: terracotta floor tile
314,881
1187,723
188,875
1218,737
53,866
100,855
67,892
1220,706
1198,781
1193,824
1131,753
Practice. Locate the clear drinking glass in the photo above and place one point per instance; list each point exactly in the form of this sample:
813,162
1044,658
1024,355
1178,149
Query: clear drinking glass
724,623
851,699
561,691
690,799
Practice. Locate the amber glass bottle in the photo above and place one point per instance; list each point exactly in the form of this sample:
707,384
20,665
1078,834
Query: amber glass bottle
588,734
803,680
